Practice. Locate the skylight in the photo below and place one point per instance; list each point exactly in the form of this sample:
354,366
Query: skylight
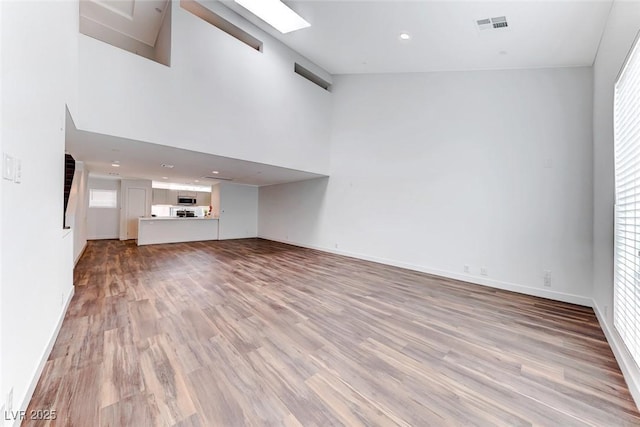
276,14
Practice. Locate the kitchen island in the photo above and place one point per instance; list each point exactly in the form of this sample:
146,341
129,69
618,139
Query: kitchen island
173,230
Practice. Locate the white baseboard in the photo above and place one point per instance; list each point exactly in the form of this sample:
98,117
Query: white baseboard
105,237
630,370
543,293
43,359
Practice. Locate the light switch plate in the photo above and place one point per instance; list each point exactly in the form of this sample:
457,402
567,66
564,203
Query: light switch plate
7,167
17,173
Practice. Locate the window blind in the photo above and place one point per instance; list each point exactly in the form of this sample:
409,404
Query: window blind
103,198
626,292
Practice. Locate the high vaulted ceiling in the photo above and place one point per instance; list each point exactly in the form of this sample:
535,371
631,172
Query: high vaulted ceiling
358,37
363,36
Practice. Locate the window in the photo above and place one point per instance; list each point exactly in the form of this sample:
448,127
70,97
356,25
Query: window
626,290
103,198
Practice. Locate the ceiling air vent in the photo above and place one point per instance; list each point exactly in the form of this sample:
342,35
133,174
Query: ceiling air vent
492,23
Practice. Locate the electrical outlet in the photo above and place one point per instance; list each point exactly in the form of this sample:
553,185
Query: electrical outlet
483,271
336,245
467,269
547,278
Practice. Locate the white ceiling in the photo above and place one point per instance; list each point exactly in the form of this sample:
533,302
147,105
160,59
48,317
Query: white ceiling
143,160
362,36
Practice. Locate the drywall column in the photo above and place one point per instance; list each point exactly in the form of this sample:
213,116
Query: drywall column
238,211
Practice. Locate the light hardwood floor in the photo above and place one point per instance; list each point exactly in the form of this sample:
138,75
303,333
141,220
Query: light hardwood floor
252,332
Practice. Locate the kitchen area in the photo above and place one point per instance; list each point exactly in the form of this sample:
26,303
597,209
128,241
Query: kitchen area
180,213
156,212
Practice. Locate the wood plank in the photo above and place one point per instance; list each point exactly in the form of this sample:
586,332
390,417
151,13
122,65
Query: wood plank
252,333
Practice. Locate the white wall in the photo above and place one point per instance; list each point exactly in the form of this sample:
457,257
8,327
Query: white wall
38,48
215,200
219,96
238,211
2,387
125,184
103,223
622,28
76,215
434,171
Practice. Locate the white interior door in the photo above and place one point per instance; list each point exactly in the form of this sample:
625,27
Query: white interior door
136,207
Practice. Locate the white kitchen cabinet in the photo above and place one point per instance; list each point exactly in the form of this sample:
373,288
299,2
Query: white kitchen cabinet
172,197
203,198
159,197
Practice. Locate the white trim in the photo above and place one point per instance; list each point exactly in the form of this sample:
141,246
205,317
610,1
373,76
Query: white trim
105,237
513,287
43,359
630,370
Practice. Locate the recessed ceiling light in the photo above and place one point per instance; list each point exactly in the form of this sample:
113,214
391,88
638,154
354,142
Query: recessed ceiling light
276,14
164,165
405,36
215,172
165,177
115,165
196,180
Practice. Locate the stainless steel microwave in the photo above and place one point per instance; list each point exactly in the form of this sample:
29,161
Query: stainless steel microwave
186,200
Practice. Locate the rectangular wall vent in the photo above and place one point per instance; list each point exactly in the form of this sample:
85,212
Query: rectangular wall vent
217,178
492,23
311,76
219,22
484,24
